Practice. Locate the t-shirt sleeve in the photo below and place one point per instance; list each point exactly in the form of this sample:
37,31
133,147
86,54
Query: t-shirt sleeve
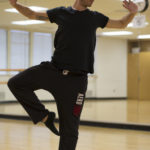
53,14
100,19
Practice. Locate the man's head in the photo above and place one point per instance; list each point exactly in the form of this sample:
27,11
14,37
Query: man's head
86,3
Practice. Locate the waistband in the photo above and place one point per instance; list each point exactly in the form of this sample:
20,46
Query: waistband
68,72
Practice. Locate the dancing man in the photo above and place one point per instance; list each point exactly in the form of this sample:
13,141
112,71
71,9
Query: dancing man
65,76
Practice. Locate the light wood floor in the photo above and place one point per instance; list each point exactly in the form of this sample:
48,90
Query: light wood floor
23,135
118,111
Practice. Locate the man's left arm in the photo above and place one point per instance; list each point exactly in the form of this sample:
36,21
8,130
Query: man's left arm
122,23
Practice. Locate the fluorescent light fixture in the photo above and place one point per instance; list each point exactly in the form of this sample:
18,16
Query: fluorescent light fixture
146,36
136,1
34,8
130,25
116,33
28,22
12,10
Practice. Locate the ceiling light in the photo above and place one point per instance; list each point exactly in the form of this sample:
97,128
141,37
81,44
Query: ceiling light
136,1
116,33
28,22
34,8
12,10
130,25
146,36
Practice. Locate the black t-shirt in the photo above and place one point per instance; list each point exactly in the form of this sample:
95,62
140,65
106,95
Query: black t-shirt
75,37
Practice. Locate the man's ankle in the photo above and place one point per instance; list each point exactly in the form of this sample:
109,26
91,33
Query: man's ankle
45,119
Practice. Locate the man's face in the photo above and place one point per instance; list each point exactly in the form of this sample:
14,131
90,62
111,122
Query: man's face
86,3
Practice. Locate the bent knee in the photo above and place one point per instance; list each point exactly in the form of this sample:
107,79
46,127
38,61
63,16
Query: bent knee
11,83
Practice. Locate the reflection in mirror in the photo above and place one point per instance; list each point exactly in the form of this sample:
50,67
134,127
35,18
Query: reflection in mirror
117,92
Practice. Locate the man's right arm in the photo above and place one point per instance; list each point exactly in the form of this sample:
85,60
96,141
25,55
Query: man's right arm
28,12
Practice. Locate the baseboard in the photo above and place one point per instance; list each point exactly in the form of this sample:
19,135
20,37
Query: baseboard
16,102
106,98
53,101
116,125
89,123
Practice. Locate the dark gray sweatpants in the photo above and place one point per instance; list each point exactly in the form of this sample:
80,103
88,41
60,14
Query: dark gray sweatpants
68,91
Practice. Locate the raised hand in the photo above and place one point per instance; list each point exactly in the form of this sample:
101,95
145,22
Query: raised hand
13,2
130,6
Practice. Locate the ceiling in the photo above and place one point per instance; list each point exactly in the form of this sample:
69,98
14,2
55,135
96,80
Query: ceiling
112,8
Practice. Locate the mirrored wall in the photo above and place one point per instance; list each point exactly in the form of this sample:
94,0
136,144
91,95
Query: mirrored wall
119,89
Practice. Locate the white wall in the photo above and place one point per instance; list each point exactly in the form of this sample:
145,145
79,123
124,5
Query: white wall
110,78
111,67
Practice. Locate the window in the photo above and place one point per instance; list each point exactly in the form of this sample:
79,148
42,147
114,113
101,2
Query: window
3,50
19,48
42,47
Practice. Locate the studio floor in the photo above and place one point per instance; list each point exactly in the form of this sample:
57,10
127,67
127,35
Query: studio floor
118,111
23,135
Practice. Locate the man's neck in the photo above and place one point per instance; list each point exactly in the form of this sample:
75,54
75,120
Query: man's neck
78,6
